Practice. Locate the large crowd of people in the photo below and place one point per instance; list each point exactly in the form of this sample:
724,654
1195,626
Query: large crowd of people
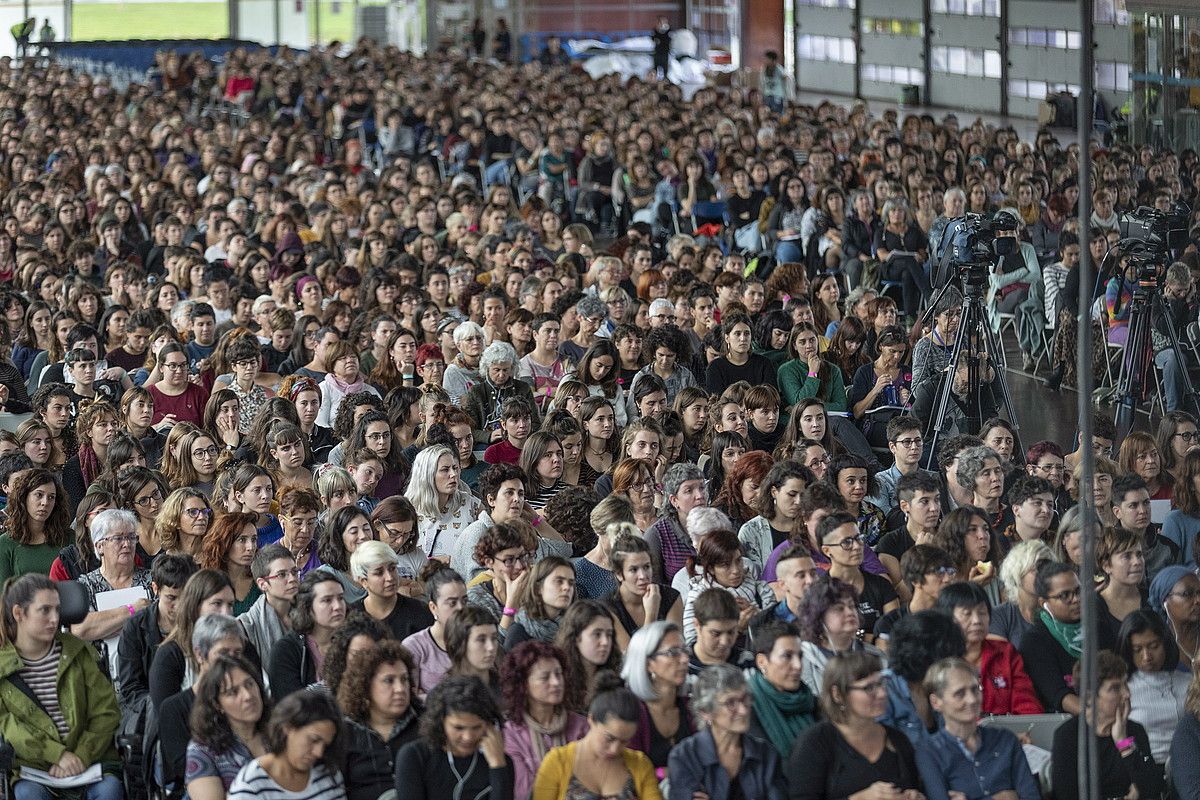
436,428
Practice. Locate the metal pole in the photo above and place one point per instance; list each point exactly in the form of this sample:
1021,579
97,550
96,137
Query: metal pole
1089,776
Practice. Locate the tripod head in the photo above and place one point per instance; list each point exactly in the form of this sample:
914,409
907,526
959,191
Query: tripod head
970,246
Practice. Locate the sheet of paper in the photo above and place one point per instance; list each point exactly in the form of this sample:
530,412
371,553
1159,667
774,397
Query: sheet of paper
1159,510
117,598
89,776
1037,757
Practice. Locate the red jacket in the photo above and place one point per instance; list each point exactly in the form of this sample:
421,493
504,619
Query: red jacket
1007,688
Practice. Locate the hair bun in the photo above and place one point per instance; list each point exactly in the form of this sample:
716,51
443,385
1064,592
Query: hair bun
606,681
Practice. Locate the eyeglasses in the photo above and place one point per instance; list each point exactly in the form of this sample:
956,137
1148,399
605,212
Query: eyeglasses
732,704
671,652
383,436
149,499
175,366
850,541
868,688
1187,596
130,540
906,443
198,513
523,558
944,572
210,451
303,523
284,574
1051,468
1189,436
1073,594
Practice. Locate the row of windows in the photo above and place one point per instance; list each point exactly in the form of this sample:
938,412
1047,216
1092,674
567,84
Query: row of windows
965,61
1038,90
1042,37
827,3
889,74
1112,75
826,48
893,27
970,8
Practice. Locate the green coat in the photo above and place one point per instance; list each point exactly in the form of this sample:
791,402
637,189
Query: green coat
87,700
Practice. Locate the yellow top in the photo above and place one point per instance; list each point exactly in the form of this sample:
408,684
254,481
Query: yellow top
554,775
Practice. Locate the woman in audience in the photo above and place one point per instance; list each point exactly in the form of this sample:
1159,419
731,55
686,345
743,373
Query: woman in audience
195,465
844,546
829,624
1016,616
965,757
37,526
1175,594
981,470
1120,557
587,640
142,491
533,684
374,566
358,634
344,531
683,489
317,612
720,760
1053,647
1158,691
656,670
781,704
230,547
720,559
183,522
228,726
1182,524
808,374
175,666
638,600
542,461
447,594
473,644
95,426
376,695
304,742
460,750
505,552
611,517
80,556
71,726
1126,766
634,479
544,597
777,500
1007,688
738,494
298,513
1139,455
444,504
848,753
968,538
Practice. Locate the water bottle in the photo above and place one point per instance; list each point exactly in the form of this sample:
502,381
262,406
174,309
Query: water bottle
891,395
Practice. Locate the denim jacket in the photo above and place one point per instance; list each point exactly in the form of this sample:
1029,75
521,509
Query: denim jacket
901,711
695,767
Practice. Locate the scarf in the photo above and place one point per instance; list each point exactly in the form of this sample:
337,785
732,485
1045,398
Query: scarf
346,388
1067,634
783,715
538,734
544,630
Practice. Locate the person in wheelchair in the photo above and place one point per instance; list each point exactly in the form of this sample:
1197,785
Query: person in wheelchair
58,710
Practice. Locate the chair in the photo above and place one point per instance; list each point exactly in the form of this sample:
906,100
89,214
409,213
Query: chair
74,602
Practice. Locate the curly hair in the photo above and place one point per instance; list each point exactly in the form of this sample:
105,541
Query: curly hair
456,694
337,657
670,337
168,523
343,420
514,673
820,597
569,512
219,539
209,725
57,528
354,689
498,538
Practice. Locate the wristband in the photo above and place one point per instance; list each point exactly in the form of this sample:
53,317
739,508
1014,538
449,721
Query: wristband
536,521
812,374
129,608
1126,743
660,773
509,612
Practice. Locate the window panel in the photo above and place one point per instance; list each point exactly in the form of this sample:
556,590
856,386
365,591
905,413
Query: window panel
1038,37
1123,84
991,63
1018,36
937,58
849,54
1073,40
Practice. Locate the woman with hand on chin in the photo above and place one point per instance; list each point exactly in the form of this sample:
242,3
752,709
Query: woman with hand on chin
460,753
638,600
504,551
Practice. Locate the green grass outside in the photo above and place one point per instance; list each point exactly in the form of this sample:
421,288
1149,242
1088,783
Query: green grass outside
193,20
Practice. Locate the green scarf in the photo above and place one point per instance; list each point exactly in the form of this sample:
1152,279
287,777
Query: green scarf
783,715
1066,634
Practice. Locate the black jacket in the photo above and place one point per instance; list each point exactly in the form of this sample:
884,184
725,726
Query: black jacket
290,668
140,638
368,764
857,237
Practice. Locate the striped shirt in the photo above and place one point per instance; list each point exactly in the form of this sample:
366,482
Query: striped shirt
42,678
253,783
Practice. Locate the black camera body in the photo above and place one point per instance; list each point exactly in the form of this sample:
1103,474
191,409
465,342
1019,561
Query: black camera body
1153,231
970,244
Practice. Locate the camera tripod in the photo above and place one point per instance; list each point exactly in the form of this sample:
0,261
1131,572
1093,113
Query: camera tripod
1137,363
981,348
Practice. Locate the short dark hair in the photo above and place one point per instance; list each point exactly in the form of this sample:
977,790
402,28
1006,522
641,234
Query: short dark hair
715,605
918,481
260,566
766,636
496,475
1026,487
963,594
1126,484
201,310
832,522
1046,572
955,445
172,570
516,408
922,559
902,424
465,694
922,639
299,709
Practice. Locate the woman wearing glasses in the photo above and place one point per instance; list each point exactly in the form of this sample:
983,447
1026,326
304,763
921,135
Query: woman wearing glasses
175,396
229,547
1052,648
1177,433
1175,594
142,491
298,511
844,546
195,465
848,753
656,671
721,761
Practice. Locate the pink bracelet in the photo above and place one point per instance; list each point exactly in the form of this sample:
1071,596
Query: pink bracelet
1126,743
509,612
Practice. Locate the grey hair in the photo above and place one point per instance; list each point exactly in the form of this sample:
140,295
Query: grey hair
896,203
970,464
662,304
937,678
642,646
466,329
953,191
497,353
676,476
712,682
704,520
1179,273
371,554
109,521
591,306
422,489
854,195
211,629
1019,562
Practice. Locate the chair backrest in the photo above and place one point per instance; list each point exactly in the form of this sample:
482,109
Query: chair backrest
74,602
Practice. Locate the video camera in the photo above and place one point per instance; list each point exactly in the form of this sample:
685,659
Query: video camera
1152,232
970,243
